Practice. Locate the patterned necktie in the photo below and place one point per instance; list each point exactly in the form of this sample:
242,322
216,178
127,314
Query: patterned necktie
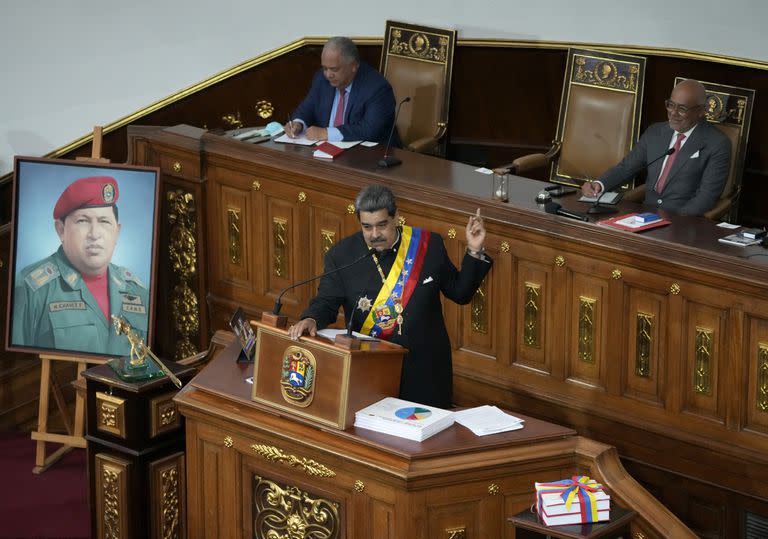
338,119
668,165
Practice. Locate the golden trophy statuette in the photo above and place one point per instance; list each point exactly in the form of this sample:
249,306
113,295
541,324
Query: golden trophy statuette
142,364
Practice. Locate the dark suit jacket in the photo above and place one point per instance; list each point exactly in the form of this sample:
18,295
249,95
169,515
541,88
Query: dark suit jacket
697,177
427,375
369,113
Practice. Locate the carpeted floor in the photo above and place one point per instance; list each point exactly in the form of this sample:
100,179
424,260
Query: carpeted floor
53,504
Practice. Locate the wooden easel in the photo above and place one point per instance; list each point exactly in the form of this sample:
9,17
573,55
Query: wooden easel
74,437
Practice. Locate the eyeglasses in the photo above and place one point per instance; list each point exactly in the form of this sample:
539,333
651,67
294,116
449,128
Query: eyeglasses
682,109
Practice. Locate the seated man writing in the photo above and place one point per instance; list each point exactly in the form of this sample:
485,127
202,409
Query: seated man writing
691,177
349,100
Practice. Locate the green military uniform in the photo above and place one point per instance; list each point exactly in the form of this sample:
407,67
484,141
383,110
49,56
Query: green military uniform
53,308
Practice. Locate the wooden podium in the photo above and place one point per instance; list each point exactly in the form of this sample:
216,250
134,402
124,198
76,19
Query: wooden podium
317,380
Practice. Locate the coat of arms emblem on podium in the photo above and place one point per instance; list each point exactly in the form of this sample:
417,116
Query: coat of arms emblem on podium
298,376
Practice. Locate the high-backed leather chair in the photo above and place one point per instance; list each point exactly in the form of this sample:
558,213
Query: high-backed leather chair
599,117
417,61
730,109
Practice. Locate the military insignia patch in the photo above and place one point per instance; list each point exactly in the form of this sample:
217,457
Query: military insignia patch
41,275
131,308
108,193
66,306
132,299
298,376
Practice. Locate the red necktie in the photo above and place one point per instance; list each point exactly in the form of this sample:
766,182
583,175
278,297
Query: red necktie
668,165
338,119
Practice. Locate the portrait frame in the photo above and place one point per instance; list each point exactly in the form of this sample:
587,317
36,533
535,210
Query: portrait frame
50,307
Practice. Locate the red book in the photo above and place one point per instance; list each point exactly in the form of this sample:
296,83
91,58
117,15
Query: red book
630,223
326,150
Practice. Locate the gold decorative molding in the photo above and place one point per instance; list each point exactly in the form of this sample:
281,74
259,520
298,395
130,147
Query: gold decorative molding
559,261
587,329
164,415
256,185
702,373
456,533
112,476
452,233
761,399
264,109
493,489
359,486
674,289
177,167
280,242
283,511
504,247
167,496
350,209
228,442
616,274
611,73
479,308
401,220
235,237
110,414
301,197
531,315
182,252
643,344
308,466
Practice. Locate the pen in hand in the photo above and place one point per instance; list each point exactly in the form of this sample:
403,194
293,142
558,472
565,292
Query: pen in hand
289,129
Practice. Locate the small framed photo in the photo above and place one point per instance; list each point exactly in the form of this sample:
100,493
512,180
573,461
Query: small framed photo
83,250
245,334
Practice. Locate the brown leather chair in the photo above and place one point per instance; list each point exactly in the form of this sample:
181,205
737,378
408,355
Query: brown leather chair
417,61
730,109
599,117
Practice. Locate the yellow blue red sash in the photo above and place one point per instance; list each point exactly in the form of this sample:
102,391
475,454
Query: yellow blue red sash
393,297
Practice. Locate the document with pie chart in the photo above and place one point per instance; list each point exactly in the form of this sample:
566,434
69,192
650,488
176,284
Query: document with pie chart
405,419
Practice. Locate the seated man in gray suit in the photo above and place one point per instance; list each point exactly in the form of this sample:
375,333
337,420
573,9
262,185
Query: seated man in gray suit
688,180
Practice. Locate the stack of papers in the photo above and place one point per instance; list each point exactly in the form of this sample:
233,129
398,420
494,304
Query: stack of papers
404,419
484,420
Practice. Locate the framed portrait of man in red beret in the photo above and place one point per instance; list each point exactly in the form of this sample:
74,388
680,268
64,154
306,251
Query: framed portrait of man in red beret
83,250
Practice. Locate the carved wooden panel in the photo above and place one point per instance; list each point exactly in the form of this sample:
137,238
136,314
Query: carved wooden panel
646,321
382,520
704,358
755,399
283,262
587,327
234,244
532,313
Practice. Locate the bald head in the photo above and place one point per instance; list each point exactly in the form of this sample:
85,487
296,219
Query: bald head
685,107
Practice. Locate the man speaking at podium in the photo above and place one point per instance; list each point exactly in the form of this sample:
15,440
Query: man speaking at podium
394,294
349,100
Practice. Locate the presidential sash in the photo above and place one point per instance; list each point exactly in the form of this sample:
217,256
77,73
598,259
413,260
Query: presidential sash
387,311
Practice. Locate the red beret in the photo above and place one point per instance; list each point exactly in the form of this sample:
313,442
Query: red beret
92,192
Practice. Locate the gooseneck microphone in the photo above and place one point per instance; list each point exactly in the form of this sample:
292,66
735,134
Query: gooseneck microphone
278,303
557,209
389,161
597,209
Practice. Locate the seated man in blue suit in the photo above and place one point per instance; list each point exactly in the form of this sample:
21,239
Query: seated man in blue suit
348,100
688,180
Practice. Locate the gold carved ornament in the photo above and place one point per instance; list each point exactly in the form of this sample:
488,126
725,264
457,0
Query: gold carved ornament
761,400
479,308
452,233
504,247
182,251
233,120
280,243
350,209
401,220
643,344
674,289
702,369
493,489
327,239
301,197
287,512
531,315
587,307
616,274
359,486
228,441
308,466
456,533
256,185
235,240
559,261
264,109
176,167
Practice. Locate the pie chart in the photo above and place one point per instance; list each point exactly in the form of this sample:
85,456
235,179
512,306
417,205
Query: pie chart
413,412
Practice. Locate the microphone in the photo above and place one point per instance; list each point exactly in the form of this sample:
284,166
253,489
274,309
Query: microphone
597,209
278,303
389,161
557,209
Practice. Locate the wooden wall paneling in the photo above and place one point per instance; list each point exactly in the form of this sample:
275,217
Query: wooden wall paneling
754,399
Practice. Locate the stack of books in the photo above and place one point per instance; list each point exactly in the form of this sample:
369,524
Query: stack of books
484,420
404,419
